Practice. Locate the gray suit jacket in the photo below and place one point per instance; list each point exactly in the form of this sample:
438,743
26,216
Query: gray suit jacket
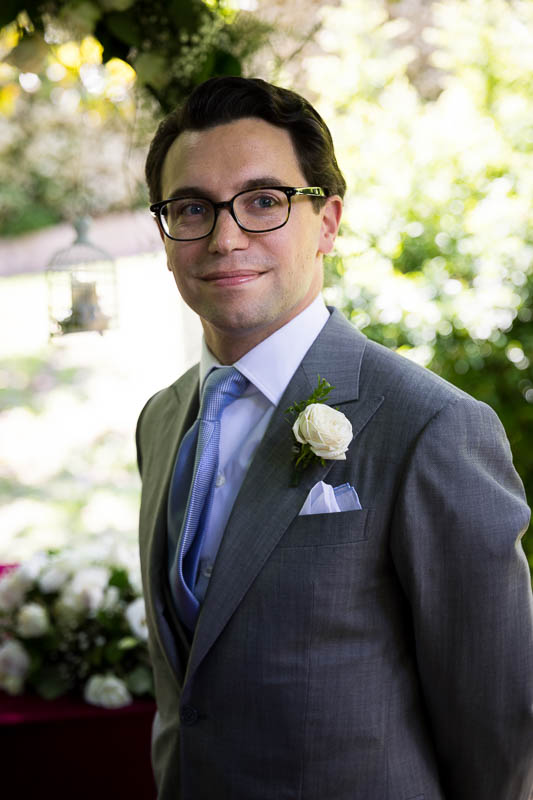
380,654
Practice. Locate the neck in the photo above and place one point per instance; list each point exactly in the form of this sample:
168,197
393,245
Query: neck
228,348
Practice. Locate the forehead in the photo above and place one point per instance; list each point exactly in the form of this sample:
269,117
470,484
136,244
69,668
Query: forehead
225,157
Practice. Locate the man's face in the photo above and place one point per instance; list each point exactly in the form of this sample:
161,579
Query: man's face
246,285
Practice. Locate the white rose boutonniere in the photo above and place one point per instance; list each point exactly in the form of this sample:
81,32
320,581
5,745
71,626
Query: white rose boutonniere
322,432
326,430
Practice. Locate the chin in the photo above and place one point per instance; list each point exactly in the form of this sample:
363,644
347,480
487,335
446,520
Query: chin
241,323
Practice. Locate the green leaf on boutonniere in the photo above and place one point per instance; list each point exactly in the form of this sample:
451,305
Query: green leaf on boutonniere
303,455
319,396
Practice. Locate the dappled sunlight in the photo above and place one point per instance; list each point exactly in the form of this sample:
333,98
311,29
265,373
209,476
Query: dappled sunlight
429,180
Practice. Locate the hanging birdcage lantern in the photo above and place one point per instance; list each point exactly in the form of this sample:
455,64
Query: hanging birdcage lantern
82,286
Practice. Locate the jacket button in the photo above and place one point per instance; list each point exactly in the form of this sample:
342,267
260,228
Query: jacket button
188,715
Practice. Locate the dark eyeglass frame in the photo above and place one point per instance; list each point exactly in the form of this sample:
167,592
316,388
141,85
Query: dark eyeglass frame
289,191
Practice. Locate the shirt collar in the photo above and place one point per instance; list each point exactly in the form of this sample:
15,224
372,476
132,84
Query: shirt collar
270,365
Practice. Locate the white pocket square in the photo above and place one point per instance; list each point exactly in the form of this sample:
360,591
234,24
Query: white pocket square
326,499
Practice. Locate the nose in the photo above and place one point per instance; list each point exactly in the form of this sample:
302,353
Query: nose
227,235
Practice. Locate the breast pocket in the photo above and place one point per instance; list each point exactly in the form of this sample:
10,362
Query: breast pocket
325,530
328,538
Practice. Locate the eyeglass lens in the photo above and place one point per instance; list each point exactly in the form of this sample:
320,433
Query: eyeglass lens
256,210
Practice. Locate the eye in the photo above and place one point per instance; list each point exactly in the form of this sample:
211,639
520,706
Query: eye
187,208
263,201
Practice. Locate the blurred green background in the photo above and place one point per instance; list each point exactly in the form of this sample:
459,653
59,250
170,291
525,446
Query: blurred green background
431,108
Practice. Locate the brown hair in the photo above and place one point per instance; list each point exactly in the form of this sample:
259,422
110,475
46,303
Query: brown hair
222,100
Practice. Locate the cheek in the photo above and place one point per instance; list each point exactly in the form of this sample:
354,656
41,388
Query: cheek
293,256
177,261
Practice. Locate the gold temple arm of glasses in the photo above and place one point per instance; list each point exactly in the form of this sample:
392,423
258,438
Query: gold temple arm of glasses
314,191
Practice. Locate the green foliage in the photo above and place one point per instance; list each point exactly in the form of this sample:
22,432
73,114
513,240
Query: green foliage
79,119
119,578
436,252
50,684
172,46
319,395
79,160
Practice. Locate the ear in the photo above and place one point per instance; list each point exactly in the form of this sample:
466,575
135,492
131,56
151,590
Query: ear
331,219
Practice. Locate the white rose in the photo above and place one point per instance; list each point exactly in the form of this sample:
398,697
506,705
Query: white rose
87,588
29,570
32,620
14,666
53,577
69,608
327,431
106,691
13,588
136,616
72,559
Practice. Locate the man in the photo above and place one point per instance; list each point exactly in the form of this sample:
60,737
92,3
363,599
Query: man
382,648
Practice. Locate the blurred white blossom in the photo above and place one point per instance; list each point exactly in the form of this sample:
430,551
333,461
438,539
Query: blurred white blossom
13,587
106,691
86,590
14,665
32,620
136,616
83,597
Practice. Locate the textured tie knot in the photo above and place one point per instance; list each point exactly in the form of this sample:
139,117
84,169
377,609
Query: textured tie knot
222,387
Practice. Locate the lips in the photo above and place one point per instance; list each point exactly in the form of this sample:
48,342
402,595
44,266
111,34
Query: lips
230,277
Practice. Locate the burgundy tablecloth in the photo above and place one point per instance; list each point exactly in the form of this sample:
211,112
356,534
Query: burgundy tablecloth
66,749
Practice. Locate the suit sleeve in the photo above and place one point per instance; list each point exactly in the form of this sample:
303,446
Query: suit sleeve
456,536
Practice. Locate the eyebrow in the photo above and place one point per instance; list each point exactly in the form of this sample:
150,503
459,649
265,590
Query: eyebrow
252,183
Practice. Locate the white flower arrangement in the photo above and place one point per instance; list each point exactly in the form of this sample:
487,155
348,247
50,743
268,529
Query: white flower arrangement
74,621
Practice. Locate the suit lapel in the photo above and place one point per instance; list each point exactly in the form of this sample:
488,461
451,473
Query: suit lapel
267,503
178,416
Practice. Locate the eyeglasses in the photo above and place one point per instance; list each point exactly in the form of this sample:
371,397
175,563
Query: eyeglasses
260,210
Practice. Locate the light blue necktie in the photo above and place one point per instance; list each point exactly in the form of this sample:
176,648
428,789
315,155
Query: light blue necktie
222,387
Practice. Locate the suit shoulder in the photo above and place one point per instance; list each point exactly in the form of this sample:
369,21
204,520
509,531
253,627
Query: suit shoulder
414,388
159,412
159,401
412,393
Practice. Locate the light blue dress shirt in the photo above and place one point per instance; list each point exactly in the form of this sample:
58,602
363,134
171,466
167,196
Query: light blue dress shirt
269,367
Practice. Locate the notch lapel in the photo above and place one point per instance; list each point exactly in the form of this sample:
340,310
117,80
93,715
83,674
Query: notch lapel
179,413
267,503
